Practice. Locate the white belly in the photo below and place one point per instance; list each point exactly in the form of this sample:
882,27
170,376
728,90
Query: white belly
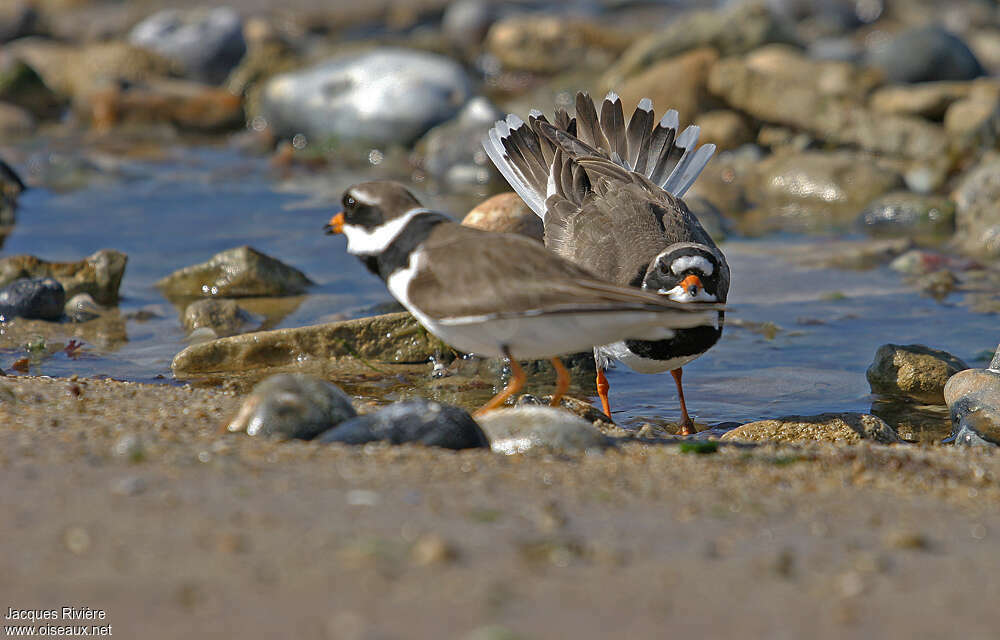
618,351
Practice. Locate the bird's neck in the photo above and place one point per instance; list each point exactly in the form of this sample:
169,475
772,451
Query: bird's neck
397,254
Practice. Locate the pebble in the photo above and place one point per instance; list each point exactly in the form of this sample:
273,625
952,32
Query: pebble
99,275
902,213
206,43
925,54
128,486
530,428
222,315
418,421
76,539
82,307
912,371
453,152
842,428
292,405
40,298
236,273
432,549
388,96
506,213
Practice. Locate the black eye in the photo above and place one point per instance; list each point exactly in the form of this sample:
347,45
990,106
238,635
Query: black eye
349,202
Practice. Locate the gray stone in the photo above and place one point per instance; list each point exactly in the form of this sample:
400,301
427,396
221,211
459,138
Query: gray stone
236,273
466,22
82,307
743,27
223,316
100,275
529,428
925,54
902,213
382,97
849,428
912,371
290,405
453,152
206,43
977,208
506,213
41,298
418,421
969,381
975,421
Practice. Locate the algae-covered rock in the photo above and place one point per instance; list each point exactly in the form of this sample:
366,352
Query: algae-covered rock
236,273
846,428
913,371
100,275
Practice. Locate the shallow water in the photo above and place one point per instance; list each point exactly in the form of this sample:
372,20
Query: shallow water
188,204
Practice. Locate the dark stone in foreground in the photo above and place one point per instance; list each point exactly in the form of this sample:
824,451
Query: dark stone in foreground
292,405
418,420
40,298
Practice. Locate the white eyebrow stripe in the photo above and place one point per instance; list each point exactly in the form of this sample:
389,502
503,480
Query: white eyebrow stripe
364,196
682,264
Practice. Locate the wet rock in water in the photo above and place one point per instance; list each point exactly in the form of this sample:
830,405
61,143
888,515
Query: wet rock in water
292,405
18,18
925,54
917,262
975,421
970,381
206,43
529,428
236,273
744,27
82,307
680,83
223,316
21,86
41,298
453,152
848,428
778,85
725,129
505,213
393,337
388,96
928,100
913,422
813,189
187,105
100,275
977,208
903,213
418,421
15,121
912,371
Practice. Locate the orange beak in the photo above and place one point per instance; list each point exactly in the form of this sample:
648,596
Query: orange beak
336,224
692,284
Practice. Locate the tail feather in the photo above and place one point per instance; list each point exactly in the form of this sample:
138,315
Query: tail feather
525,153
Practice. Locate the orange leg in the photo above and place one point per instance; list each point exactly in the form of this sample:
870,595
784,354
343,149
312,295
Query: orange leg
687,425
562,381
602,391
516,383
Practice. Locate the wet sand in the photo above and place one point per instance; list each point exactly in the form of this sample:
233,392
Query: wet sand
124,497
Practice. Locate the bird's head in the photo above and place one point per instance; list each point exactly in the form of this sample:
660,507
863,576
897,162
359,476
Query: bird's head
686,273
373,215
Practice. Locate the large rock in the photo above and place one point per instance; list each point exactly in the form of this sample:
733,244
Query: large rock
453,152
977,208
100,275
924,54
975,421
393,337
825,99
818,190
969,381
912,371
416,421
382,97
290,405
506,213
679,83
841,428
41,298
236,273
206,43
22,86
530,427
744,27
